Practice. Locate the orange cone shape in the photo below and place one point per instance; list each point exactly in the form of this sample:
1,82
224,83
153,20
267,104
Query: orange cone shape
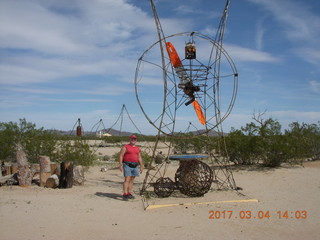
199,112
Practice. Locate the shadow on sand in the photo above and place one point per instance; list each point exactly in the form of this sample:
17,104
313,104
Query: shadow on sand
109,195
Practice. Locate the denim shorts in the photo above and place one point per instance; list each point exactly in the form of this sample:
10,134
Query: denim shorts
128,171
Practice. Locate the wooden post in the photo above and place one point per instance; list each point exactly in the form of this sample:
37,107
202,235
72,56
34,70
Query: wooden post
7,169
24,172
66,175
78,175
45,170
53,167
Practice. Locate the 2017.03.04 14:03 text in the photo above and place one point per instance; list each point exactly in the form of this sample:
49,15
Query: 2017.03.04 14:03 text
248,214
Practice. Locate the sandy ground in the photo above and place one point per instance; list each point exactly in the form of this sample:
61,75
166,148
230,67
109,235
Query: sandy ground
96,211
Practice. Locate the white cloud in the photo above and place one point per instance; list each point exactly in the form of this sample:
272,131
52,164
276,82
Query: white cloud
92,39
28,25
315,87
249,55
300,25
309,54
260,33
75,100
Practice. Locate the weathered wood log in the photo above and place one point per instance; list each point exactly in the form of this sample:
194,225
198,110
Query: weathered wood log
4,179
52,181
14,168
44,164
35,168
78,175
21,158
45,169
7,170
66,175
24,172
53,167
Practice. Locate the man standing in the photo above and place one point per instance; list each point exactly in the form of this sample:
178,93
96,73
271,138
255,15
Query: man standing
130,158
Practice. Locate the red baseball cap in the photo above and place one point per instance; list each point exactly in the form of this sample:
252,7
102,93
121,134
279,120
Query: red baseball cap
133,137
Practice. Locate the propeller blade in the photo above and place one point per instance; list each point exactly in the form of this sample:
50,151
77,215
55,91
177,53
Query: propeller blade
199,112
185,82
173,55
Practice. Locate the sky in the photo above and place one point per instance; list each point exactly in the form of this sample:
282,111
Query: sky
61,60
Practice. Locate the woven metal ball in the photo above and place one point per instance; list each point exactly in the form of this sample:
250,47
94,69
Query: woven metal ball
193,178
164,187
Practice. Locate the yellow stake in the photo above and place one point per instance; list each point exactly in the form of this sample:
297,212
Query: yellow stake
199,203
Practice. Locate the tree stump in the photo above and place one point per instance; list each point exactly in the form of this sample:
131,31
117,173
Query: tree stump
66,175
78,175
24,172
45,170
53,181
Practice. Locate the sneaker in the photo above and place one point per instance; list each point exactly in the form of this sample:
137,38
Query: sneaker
130,196
125,197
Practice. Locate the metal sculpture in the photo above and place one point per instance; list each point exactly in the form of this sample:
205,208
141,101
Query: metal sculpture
79,129
164,187
193,178
202,86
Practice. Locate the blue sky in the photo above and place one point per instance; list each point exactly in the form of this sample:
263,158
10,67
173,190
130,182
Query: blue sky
64,60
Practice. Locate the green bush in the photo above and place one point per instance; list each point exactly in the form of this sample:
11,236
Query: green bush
304,141
78,151
8,140
262,142
242,149
34,142
146,158
182,143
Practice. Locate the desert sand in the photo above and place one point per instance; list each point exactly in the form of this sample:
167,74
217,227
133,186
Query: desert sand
96,211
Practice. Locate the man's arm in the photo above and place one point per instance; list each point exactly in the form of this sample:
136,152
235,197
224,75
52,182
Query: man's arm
122,152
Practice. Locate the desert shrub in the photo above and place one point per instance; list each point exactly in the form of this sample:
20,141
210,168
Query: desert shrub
114,139
275,151
262,141
8,140
146,158
34,142
258,141
182,143
304,141
116,156
78,151
241,148
106,158
198,144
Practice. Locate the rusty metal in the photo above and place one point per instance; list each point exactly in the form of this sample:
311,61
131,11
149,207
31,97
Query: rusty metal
164,187
215,76
193,178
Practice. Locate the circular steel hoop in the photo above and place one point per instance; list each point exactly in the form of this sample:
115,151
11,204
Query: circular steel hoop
215,74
